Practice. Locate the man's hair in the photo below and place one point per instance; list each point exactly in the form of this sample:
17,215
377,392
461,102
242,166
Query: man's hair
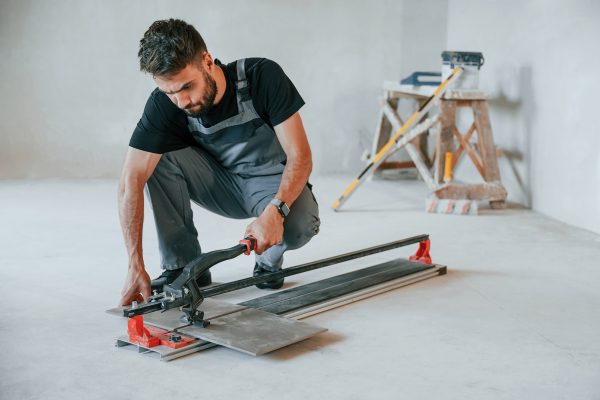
168,46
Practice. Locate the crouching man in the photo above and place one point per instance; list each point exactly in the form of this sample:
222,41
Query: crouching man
227,137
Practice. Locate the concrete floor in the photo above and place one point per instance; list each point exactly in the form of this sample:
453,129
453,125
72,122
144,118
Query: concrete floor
517,316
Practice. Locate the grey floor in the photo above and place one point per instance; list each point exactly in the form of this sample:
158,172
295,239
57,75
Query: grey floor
517,316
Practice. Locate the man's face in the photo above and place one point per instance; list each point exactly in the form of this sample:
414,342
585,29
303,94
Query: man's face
192,89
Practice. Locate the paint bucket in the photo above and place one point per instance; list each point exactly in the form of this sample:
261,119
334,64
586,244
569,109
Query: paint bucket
470,62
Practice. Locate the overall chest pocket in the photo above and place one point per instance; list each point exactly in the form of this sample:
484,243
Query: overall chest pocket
229,135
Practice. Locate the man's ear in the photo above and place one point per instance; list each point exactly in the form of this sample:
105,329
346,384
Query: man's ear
207,61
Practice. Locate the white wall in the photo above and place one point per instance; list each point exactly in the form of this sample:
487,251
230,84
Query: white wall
72,93
542,72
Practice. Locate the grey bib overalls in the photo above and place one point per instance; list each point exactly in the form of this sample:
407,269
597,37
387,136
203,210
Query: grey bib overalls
235,172
243,144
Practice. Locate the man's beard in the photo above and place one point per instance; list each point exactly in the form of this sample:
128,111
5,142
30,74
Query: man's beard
207,100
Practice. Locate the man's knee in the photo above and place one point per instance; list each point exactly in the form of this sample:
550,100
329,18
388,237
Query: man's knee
304,221
303,231
169,165
186,158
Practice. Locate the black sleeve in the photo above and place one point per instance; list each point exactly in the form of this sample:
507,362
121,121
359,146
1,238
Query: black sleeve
275,96
162,127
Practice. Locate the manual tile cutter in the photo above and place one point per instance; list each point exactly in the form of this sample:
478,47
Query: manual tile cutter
185,294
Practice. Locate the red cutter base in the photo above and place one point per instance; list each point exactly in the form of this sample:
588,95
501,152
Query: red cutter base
149,336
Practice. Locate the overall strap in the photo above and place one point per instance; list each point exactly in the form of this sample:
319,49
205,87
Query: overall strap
246,111
243,89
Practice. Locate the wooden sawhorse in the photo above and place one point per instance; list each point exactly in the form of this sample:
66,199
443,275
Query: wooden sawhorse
449,141
482,153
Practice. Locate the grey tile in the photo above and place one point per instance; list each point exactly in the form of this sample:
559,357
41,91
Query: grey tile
254,332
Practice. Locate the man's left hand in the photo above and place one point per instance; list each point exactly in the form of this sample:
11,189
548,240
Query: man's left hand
267,229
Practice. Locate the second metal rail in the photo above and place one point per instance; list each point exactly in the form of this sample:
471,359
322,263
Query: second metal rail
247,282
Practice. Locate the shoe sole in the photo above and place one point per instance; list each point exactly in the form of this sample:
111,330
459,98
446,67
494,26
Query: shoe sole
269,285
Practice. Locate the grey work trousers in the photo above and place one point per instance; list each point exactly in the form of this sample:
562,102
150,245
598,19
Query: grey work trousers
193,174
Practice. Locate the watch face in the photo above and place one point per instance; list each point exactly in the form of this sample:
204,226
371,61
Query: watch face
285,209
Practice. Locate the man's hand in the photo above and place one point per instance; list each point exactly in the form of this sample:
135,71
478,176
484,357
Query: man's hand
137,286
267,229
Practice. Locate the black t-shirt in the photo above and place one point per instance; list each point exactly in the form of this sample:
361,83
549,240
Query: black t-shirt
163,126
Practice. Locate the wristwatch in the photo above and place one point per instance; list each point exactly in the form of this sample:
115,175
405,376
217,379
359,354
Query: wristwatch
283,208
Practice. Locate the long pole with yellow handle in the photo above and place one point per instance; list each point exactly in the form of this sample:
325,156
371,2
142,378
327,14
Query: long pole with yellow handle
383,153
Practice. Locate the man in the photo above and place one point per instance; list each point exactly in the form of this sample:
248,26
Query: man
227,137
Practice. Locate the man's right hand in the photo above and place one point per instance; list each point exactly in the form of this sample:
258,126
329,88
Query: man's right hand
137,286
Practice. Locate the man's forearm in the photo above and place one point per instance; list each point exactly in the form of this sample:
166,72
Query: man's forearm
295,176
268,227
131,215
